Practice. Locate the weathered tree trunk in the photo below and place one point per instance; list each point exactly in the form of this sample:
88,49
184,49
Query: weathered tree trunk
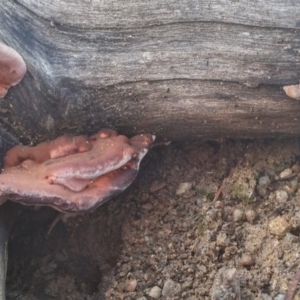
7,213
179,69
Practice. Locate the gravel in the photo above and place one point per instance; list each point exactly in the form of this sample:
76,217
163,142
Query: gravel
171,236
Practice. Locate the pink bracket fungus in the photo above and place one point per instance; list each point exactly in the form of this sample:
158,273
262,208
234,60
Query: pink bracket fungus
293,91
73,174
12,68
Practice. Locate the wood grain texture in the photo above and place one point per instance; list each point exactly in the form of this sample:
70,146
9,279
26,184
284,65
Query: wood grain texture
179,69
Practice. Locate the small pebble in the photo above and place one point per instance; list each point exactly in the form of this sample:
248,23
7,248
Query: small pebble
251,215
238,215
290,238
155,292
183,188
262,190
266,297
227,213
247,260
296,168
279,297
202,268
171,288
281,196
212,214
270,171
130,285
264,180
147,206
121,286
285,173
219,204
198,202
279,226
294,184
222,239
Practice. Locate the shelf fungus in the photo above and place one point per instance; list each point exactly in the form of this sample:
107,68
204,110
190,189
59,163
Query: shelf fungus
12,68
293,91
73,174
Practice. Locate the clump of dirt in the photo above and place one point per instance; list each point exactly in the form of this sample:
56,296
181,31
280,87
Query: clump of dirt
202,221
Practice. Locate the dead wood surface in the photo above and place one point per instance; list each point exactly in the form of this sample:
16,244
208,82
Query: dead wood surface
179,69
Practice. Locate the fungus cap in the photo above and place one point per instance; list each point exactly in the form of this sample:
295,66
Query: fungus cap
12,68
75,180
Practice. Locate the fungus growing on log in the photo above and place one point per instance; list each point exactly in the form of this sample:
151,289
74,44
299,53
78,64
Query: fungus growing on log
62,146
12,68
293,91
73,174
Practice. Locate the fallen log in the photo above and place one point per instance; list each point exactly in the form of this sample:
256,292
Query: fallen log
177,69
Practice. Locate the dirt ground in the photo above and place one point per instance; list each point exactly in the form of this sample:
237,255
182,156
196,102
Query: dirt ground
213,220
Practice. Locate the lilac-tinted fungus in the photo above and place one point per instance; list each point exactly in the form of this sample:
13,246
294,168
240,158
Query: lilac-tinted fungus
12,68
79,178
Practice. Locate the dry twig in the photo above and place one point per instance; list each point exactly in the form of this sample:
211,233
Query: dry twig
293,286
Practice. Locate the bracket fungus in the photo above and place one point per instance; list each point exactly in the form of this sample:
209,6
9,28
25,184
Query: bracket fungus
12,68
73,174
293,91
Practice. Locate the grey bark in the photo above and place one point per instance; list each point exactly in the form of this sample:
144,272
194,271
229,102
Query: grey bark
178,69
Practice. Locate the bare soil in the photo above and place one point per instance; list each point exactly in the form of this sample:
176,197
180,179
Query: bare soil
203,220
